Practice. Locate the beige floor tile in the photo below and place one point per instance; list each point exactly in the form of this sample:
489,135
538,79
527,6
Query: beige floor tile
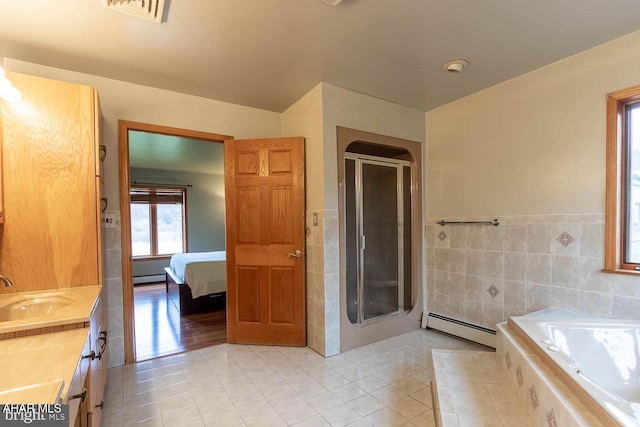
340,416
386,417
424,396
426,419
365,405
388,395
409,407
315,421
348,392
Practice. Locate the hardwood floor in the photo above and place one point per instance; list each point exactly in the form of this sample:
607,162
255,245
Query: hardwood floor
160,330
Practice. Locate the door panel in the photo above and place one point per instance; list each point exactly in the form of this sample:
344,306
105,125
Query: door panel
248,291
281,295
265,224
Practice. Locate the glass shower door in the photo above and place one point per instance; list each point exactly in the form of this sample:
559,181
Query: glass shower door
377,194
379,240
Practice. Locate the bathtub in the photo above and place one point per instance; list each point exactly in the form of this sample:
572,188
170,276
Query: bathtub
598,359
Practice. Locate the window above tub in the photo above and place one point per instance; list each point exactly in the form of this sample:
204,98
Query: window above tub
622,232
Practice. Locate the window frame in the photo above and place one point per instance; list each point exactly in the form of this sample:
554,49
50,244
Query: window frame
616,182
153,220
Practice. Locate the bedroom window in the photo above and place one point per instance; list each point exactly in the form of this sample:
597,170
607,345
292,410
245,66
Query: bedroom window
622,240
157,221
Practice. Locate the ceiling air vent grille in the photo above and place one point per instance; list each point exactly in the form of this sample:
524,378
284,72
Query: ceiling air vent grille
147,9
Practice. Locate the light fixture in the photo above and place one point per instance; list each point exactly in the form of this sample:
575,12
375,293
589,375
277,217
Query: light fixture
332,2
455,66
7,91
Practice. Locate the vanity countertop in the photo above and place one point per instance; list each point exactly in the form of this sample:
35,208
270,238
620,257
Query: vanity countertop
78,311
33,366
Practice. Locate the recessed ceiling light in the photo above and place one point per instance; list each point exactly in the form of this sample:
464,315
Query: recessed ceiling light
455,66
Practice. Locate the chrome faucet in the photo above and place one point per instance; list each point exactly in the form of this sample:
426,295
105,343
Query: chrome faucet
6,281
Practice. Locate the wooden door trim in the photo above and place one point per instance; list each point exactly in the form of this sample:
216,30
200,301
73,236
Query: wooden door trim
124,126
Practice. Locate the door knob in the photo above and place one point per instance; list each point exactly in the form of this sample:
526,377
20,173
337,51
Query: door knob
296,254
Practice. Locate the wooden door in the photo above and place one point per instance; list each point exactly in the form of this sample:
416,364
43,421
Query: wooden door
264,183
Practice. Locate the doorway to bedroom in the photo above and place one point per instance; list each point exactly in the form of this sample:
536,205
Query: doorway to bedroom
174,216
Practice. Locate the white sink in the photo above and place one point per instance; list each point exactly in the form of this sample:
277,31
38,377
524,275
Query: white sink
33,306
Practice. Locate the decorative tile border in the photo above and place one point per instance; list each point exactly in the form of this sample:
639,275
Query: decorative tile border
507,360
551,418
519,376
442,235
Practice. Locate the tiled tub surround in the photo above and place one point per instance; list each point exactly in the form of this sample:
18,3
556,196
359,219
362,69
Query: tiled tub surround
596,358
483,274
548,400
471,391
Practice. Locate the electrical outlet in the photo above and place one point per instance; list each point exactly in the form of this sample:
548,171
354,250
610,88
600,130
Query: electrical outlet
108,220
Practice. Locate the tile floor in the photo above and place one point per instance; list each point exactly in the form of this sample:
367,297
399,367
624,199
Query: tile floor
382,384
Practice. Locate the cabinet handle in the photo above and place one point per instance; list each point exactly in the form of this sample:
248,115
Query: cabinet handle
82,396
102,339
91,355
100,405
103,152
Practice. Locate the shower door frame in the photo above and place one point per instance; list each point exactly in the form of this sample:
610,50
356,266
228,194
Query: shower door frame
398,165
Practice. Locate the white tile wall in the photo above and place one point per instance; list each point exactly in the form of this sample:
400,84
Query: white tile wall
531,262
112,281
323,283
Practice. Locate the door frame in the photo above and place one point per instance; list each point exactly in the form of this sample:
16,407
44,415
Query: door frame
124,126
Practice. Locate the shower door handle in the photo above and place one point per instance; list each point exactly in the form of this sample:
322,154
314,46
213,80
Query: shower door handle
296,254
363,242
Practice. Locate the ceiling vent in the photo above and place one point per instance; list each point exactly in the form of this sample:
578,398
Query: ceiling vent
147,9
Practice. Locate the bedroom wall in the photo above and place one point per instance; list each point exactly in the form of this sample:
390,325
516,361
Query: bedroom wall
126,101
205,212
530,151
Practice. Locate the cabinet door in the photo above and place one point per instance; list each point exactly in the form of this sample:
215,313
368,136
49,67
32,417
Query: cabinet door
50,238
97,377
1,174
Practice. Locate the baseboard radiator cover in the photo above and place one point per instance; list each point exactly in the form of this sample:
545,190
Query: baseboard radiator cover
459,328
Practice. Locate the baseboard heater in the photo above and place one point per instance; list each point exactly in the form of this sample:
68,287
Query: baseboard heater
459,328
152,278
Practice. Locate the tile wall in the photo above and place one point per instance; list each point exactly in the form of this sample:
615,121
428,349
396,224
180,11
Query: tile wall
112,280
483,274
323,282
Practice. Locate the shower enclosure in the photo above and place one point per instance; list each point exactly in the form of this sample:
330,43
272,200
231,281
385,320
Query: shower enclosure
380,218
378,237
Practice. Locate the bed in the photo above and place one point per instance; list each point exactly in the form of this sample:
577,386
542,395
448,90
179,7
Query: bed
197,281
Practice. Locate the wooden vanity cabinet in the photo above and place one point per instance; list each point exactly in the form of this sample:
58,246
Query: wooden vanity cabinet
97,377
50,142
77,395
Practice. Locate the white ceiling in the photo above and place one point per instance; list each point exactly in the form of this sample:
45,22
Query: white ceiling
269,53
